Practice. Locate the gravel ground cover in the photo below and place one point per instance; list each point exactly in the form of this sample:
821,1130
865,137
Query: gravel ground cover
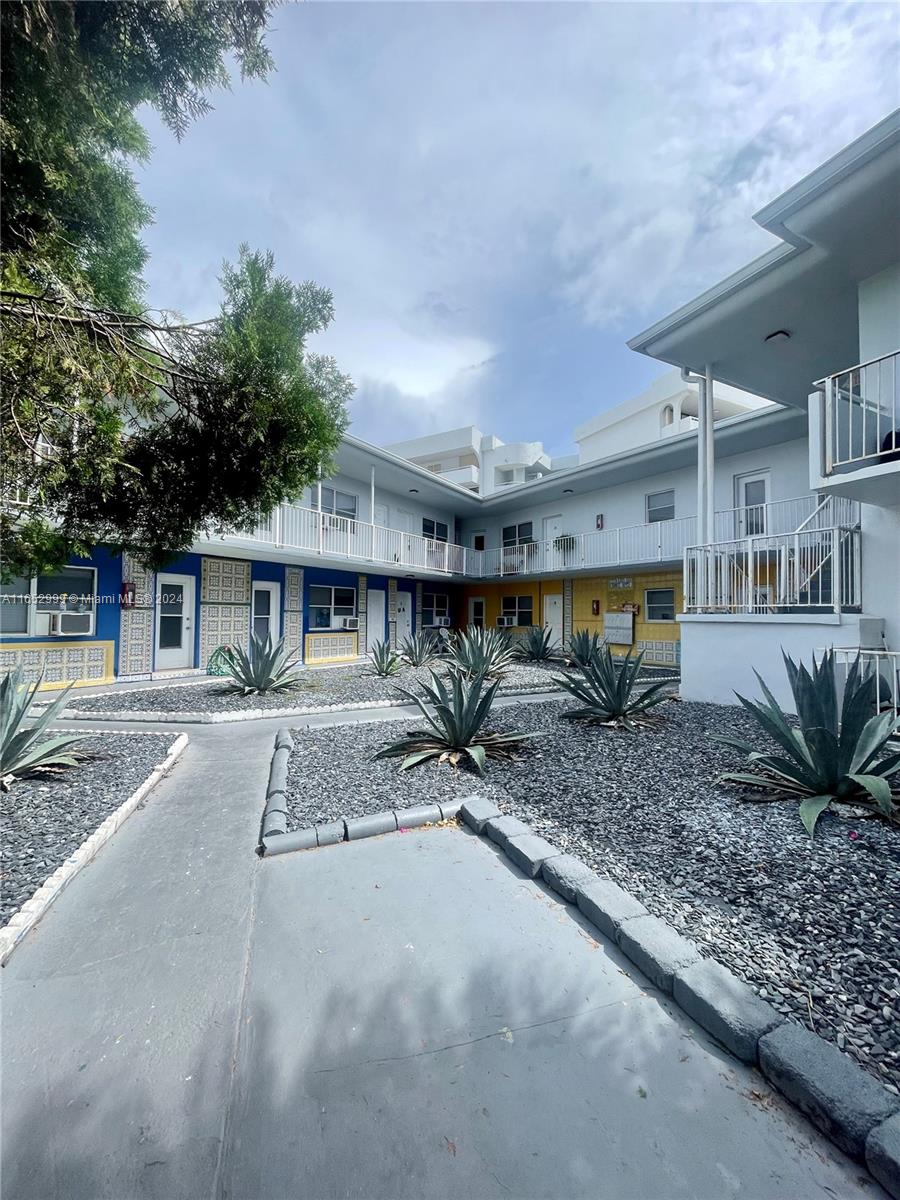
45,818
814,926
339,685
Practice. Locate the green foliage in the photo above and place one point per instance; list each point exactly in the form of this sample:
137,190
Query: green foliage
118,426
454,732
384,661
22,749
606,690
833,757
264,667
485,652
420,649
583,647
537,645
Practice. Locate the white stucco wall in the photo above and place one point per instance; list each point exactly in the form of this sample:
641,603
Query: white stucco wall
402,509
718,655
881,567
879,314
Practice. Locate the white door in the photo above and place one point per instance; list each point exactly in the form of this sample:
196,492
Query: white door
751,497
380,515
174,622
476,611
553,616
375,608
404,616
265,612
552,529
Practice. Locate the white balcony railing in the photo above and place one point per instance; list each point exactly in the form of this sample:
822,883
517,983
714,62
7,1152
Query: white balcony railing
291,527
862,414
813,569
884,665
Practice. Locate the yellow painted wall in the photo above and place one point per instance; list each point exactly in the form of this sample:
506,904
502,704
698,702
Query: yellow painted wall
494,592
586,590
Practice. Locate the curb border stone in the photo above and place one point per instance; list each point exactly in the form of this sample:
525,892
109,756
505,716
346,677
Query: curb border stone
25,918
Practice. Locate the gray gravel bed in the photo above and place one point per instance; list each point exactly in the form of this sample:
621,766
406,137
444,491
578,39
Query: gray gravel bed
45,818
338,685
814,926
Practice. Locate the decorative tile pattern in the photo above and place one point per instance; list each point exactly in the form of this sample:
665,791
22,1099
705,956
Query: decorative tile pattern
222,625
392,612
567,610
666,653
144,582
82,662
293,608
225,581
330,647
136,641
362,607
418,624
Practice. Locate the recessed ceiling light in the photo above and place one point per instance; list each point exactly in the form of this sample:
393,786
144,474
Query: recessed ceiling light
414,491
777,335
568,491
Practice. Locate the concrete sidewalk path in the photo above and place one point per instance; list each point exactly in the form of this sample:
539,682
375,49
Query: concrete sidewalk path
406,1016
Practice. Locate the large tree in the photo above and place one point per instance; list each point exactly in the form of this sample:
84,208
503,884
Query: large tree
121,425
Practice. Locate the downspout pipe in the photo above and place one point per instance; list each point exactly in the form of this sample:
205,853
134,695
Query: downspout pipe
703,532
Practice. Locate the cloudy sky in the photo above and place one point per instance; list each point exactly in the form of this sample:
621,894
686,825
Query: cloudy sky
499,195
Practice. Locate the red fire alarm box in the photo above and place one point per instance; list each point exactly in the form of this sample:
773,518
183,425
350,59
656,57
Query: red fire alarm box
599,520
126,596
595,607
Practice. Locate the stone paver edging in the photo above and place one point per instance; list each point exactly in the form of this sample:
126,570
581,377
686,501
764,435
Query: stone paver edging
846,1103
26,917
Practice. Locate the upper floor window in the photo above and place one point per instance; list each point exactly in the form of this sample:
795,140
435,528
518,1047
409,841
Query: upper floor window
340,504
478,541
61,604
518,535
438,531
668,416
661,506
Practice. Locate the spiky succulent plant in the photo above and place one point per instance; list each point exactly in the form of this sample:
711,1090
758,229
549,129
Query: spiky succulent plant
485,652
583,647
265,666
25,748
455,710
385,660
420,649
606,690
831,756
537,645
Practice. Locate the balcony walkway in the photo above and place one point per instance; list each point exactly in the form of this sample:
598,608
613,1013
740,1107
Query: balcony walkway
189,1020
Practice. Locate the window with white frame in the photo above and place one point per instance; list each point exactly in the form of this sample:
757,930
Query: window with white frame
438,531
661,506
62,604
339,504
518,535
659,604
328,606
435,609
519,607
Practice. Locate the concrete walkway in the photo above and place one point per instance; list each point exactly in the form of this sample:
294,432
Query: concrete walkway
401,1017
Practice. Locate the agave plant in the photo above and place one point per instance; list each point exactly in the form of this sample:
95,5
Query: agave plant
537,645
385,660
583,647
606,691
420,649
832,757
21,747
263,667
485,652
454,730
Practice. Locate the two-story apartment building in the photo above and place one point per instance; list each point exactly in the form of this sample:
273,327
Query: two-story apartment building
713,544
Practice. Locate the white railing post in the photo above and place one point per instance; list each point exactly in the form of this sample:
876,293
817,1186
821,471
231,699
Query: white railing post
321,529
751,576
836,573
276,526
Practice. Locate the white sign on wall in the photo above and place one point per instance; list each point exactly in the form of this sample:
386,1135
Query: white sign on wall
618,627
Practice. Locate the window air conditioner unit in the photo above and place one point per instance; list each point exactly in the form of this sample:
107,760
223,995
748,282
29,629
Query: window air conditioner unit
62,623
506,622
350,623
443,622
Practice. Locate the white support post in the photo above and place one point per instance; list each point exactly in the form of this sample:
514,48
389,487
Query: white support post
836,574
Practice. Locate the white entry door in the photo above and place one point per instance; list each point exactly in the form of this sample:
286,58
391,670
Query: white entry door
404,616
552,528
265,613
752,495
476,611
375,608
553,615
174,622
